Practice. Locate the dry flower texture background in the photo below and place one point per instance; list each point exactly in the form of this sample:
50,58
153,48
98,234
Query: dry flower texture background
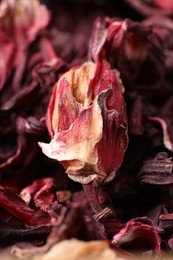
86,143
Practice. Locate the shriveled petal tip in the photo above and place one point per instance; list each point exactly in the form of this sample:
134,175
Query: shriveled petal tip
168,142
98,39
76,147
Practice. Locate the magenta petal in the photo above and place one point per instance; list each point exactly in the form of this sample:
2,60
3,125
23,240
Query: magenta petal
66,105
98,39
137,235
28,192
114,141
45,197
10,201
112,146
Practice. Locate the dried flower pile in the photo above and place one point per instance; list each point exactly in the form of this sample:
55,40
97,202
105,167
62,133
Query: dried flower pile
86,143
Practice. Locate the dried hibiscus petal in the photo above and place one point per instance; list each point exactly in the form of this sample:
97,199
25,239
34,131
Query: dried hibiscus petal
138,233
31,126
10,235
24,97
10,201
157,171
166,221
28,192
15,158
45,197
20,21
167,140
130,47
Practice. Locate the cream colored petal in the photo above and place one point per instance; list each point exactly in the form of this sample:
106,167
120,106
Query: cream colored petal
79,79
76,147
80,250
71,249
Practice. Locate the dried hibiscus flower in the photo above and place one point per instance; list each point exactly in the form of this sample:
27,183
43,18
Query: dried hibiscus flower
132,48
87,122
20,23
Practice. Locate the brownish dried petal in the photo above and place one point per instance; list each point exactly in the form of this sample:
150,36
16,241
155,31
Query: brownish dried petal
157,171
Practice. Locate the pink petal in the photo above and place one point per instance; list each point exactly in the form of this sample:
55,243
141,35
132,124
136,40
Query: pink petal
6,56
139,235
166,136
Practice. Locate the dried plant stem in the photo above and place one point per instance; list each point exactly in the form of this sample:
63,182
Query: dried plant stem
102,213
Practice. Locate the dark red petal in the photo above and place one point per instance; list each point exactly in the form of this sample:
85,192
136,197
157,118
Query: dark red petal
10,201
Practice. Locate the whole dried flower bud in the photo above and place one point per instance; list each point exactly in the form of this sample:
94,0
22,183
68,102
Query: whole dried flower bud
20,23
87,121
24,17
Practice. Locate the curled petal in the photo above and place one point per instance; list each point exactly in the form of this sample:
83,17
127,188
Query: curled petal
132,48
166,135
76,147
10,201
18,155
138,234
45,197
114,142
98,39
31,126
29,191
23,98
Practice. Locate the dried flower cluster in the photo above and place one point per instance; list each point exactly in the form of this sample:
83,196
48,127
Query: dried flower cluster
90,83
